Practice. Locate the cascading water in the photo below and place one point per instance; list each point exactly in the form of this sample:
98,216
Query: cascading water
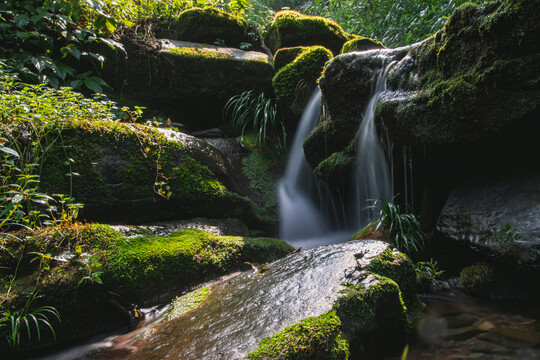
372,176
311,213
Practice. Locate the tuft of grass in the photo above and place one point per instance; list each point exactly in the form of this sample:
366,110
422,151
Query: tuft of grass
251,111
401,229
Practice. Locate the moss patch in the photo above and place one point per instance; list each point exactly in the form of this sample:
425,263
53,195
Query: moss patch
361,43
312,338
136,270
371,314
477,279
187,302
399,268
291,28
206,26
294,83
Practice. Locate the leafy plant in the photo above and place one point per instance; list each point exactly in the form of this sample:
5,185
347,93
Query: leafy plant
506,236
43,40
89,264
251,111
402,229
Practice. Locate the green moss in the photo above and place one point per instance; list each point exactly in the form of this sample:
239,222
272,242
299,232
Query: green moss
371,314
312,338
134,269
291,28
477,279
305,70
285,56
187,302
398,267
361,43
261,179
206,26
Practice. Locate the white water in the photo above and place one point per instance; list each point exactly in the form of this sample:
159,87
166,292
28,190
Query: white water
372,175
311,213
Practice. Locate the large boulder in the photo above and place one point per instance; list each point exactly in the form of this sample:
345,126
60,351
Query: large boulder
495,219
132,173
206,26
291,28
326,299
190,83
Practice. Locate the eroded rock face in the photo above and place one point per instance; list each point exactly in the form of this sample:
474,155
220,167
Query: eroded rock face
499,219
244,309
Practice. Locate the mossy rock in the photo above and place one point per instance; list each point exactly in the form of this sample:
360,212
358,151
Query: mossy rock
312,338
291,28
133,173
455,96
398,267
294,83
136,270
372,313
361,43
206,26
191,83
285,56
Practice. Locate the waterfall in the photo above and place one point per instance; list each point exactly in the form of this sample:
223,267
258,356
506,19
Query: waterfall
311,213
372,178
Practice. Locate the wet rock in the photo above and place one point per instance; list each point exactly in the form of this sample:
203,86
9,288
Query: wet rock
241,311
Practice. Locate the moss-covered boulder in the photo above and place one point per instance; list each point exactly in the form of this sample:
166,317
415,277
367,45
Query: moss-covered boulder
206,26
297,78
361,43
291,28
94,274
452,100
190,83
131,173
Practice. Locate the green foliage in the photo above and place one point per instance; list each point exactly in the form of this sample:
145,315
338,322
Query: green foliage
312,338
403,230
47,41
506,237
429,270
251,111
394,23
89,264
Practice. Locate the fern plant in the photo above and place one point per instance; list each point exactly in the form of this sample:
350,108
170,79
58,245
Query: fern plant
402,229
251,111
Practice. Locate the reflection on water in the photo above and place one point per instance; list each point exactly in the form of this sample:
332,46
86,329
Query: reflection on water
466,328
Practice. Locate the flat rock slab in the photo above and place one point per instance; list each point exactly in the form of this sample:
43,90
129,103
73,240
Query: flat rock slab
246,308
229,52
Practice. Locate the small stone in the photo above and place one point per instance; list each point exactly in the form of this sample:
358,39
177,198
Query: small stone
463,333
485,326
524,336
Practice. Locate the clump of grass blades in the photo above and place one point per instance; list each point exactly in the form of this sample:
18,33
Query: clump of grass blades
13,322
251,111
402,229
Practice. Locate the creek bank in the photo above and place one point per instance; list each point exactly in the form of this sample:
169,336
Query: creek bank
244,309
94,273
